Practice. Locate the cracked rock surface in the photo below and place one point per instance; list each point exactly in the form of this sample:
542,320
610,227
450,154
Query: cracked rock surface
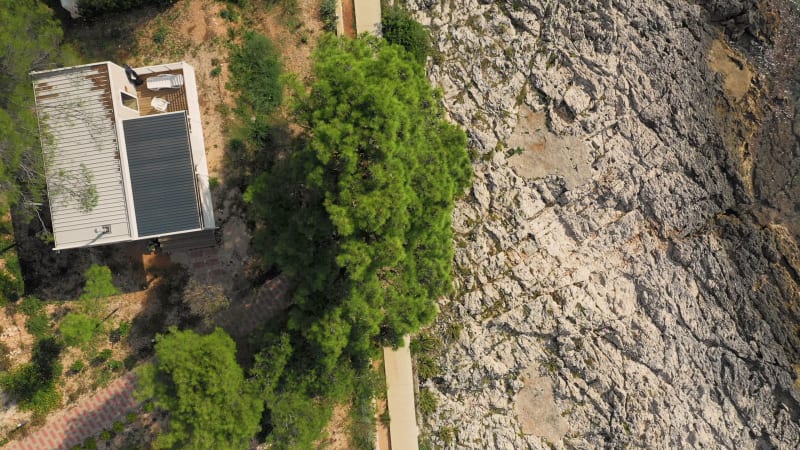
627,264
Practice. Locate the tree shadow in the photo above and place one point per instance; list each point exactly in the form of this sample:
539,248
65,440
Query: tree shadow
59,275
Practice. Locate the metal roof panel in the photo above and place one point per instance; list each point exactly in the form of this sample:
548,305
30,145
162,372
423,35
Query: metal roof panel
162,174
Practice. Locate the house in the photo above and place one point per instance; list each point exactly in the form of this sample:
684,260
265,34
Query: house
123,151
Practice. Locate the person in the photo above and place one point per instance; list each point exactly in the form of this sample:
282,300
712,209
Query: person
133,77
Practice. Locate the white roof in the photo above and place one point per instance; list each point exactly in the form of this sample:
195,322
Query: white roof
76,117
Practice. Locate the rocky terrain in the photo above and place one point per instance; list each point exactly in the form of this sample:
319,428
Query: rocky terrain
627,259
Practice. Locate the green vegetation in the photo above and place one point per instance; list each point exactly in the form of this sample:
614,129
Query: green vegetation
327,12
33,384
427,402
257,68
37,322
91,9
29,40
77,366
99,285
78,329
359,220
196,379
401,29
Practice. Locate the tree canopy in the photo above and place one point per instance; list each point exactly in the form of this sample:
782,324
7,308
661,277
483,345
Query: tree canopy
195,378
360,217
29,40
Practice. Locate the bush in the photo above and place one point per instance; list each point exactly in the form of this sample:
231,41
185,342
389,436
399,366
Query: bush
131,417
121,331
33,384
10,288
31,306
38,325
5,361
255,74
401,29
90,444
427,402
90,9
99,285
106,435
78,329
102,357
327,12
118,427
115,365
77,366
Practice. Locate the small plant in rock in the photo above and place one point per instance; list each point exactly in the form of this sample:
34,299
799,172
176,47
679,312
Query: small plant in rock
427,367
427,402
115,365
118,427
106,435
131,417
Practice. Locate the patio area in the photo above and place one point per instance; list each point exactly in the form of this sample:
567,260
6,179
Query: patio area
176,97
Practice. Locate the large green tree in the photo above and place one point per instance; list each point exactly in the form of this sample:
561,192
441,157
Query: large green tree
361,217
196,380
29,40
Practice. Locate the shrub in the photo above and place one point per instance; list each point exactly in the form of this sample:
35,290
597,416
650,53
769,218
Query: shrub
400,28
30,306
427,367
131,417
5,361
427,402
78,329
160,35
129,362
255,70
121,331
90,443
103,356
77,366
10,287
106,435
115,365
38,325
327,12
118,427
33,384
99,285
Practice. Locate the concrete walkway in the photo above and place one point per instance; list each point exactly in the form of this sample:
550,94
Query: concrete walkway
368,16
71,427
403,430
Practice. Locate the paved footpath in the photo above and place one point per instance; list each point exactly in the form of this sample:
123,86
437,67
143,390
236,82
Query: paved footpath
71,427
403,431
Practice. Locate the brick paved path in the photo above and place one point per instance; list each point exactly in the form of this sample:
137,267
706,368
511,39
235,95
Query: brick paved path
69,428
243,318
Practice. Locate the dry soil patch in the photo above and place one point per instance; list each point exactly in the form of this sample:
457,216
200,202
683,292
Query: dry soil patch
536,408
544,153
